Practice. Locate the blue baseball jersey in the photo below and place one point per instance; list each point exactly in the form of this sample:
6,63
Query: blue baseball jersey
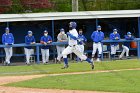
82,39
8,38
128,38
97,36
46,39
113,37
29,40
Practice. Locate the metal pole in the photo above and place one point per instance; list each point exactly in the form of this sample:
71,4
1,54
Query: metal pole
7,24
53,30
138,27
138,49
74,5
37,54
53,39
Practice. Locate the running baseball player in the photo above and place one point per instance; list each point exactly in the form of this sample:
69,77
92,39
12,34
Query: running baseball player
114,36
97,36
29,40
62,37
45,40
81,42
8,39
126,45
73,47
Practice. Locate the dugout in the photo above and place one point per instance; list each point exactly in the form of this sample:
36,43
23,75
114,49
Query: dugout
19,24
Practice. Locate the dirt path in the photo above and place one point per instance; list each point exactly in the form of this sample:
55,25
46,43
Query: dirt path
10,79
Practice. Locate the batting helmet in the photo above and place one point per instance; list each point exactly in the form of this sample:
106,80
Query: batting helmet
72,25
128,33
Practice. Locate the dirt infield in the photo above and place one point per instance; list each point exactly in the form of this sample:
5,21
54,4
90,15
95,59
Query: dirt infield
10,79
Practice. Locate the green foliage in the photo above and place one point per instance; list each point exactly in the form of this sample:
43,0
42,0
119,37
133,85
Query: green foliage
122,81
84,5
74,67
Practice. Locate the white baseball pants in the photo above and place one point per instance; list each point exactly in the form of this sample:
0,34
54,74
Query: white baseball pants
125,50
74,49
59,52
95,47
45,55
9,53
28,53
113,49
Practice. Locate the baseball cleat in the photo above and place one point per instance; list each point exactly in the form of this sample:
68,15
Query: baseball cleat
128,58
98,60
66,66
92,66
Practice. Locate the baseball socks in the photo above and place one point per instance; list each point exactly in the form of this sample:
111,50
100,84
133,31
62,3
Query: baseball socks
89,61
65,63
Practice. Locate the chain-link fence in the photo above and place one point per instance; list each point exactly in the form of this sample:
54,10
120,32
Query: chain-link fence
24,6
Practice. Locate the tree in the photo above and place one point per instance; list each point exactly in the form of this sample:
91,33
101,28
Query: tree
5,5
36,3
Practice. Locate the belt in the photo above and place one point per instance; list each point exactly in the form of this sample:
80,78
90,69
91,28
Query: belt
72,45
97,42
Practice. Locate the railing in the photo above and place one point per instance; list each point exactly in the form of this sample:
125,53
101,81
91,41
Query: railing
123,40
38,45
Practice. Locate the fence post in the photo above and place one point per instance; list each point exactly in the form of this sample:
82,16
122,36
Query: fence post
138,49
37,54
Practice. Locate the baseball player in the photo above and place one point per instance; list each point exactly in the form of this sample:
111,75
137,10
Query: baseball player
62,37
81,42
73,47
126,45
97,36
45,40
114,45
8,39
29,39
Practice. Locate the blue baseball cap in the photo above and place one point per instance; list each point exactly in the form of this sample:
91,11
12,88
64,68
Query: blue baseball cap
128,33
45,31
98,26
30,32
62,30
115,30
7,28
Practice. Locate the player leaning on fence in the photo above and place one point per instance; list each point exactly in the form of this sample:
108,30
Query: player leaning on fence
45,40
126,45
73,47
8,39
97,36
114,36
29,40
62,37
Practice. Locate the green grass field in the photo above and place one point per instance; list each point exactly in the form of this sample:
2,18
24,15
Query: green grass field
122,81
116,81
74,67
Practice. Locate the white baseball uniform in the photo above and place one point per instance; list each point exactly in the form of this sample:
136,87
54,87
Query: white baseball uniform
73,47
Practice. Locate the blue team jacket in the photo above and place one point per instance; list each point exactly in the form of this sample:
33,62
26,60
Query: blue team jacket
113,36
128,38
8,38
29,40
97,36
45,39
82,39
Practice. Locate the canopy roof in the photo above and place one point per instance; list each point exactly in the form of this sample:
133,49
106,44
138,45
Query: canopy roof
69,15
